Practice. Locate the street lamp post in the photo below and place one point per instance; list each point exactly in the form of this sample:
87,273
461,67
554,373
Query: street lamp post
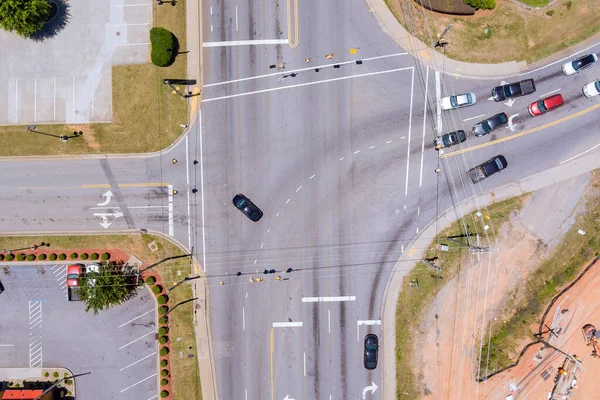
63,138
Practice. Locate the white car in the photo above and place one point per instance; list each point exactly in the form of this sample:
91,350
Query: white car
578,64
592,89
457,101
92,268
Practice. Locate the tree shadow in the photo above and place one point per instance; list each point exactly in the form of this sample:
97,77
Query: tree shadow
174,50
59,17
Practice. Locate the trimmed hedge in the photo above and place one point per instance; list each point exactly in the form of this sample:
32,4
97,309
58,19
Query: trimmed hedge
163,339
164,372
73,256
53,257
157,289
164,363
164,351
164,393
62,256
163,320
84,256
105,256
162,299
164,382
21,257
30,257
163,47
150,280
10,257
163,330
42,257
94,256
162,310
1,257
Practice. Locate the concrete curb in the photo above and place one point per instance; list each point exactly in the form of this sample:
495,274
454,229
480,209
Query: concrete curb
418,246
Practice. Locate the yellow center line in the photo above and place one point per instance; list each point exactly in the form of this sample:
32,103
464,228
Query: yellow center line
272,349
527,132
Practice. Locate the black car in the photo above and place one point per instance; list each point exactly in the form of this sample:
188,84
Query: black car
371,349
1,288
246,206
490,167
449,139
487,125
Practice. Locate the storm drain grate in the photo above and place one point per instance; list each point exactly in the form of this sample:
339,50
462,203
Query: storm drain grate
545,375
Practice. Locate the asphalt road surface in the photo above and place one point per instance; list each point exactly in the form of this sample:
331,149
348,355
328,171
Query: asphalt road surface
342,163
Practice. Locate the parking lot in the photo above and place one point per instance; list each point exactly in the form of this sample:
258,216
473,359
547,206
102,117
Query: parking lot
46,330
68,78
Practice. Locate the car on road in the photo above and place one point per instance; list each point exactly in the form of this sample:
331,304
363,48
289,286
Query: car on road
490,167
1,287
489,124
592,89
371,350
449,139
515,89
544,105
578,64
247,207
457,101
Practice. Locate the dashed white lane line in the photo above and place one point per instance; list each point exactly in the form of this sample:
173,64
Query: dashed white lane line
261,245
401,137
138,361
327,299
170,192
287,201
138,317
312,176
276,215
243,319
287,324
357,151
6,345
478,116
341,159
424,125
554,91
580,154
137,383
299,187
412,86
438,96
389,141
372,147
135,340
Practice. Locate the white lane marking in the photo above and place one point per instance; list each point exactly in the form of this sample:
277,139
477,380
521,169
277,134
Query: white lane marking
303,69
73,108
258,42
389,141
304,356
138,317
35,100
424,124
211,28
187,171
137,383
132,5
276,215
372,147
255,260
357,151
327,299
341,159
132,44
287,324
580,154
262,244
477,116
401,137
113,207
365,322
210,10
237,26
135,340
202,191
412,85
312,176
6,345
299,187
554,91
153,397
141,24
16,100
138,361
343,78
243,319
92,97
54,99
562,59
170,192
287,201
438,97
329,320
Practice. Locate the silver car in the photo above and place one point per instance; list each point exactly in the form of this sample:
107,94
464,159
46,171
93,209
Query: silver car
457,101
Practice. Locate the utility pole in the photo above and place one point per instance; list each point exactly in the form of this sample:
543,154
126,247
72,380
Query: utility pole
168,83
59,381
441,42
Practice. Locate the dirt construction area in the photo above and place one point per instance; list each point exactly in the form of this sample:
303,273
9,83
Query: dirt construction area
456,325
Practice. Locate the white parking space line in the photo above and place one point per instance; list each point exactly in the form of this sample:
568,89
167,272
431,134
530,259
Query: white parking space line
135,340
35,100
327,299
424,124
304,357
137,383
54,106
16,100
138,317
35,336
6,345
258,42
170,210
477,116
287,324
580,154
438,97
554,91
412,85
138,361
237,26
243,319
153,397
329,320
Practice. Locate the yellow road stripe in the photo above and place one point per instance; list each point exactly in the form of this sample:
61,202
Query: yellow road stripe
539,128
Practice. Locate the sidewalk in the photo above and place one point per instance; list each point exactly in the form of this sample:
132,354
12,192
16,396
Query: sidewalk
432,58
416,249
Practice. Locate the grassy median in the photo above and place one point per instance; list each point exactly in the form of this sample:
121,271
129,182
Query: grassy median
558,270
146,113
509,32
412,302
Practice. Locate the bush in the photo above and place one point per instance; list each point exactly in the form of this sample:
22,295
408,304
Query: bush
162,299
163,382
550,13
164,363
164,351
47,374
162,310
150,280
68,382
163,47
163,320
73,256
569,4
62,256
163,330
164,372
53,257
55,374
21,257
84,256
42,257
163,339
10,257
94,256
157,289
164,393
30,257
479,4
1,257
105,256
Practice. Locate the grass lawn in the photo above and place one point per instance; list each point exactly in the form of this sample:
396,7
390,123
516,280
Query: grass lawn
146,114
412,302
535,3
557,271
513,32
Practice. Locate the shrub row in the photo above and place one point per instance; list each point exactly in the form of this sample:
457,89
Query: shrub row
54,257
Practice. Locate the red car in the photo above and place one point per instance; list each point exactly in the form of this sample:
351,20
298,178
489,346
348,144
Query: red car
541,106
74,272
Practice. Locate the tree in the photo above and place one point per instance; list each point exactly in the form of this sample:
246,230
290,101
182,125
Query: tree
479,4
110,286
24,17
164,47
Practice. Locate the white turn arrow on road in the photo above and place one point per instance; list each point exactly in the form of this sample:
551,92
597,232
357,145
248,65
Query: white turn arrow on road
510,124
287,397
371,389
105,224
510,102
108,195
